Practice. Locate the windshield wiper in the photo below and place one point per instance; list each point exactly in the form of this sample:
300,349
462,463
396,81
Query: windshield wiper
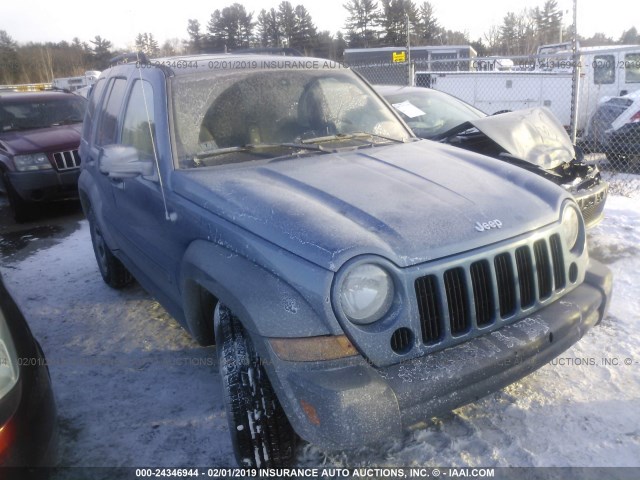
17,128
348,136
66,121
255,148
463,127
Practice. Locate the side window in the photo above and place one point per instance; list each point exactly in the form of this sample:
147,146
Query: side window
95,96
138,127
108,123
632,67
604,69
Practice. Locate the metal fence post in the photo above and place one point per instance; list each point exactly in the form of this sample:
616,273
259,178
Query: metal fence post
575,81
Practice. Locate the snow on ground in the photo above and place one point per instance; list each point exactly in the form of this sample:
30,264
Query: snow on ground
134,390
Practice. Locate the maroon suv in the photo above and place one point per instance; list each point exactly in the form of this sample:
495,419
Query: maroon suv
39,139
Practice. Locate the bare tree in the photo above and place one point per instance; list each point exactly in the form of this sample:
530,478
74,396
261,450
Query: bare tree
8,58
171,47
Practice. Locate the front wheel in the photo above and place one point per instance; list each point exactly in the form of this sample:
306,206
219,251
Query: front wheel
261,434
21,210
113,272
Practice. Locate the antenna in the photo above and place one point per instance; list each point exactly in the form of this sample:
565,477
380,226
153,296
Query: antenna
168,216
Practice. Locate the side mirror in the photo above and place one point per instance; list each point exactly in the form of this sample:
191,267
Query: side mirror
123,161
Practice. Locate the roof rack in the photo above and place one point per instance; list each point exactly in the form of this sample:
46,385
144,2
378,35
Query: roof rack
284,51
58,89
140,57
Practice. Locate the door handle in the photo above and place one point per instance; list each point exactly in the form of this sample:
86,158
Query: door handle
117,183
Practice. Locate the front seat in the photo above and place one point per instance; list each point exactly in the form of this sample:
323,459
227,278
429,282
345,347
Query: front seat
313,113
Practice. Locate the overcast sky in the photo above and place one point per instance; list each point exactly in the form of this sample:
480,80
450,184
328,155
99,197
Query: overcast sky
121,20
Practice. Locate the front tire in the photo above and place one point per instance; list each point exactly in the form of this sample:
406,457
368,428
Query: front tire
261,434
113,272
21,210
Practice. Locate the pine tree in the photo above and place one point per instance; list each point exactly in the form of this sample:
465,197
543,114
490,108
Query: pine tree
630,37
428,28
268,28
101,52
364,17
548,22
306,34
145,42
195,36
230,28
268,31
287,23
394,20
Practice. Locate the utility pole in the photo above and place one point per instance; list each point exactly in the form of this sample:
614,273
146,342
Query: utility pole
409,67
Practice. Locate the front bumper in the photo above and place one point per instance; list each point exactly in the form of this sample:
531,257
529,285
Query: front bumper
343,404
43,185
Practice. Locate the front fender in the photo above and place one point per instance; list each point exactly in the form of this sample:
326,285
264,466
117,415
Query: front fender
284,298
91,198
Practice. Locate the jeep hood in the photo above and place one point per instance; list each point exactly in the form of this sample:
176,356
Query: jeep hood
41,139
409,203
534,135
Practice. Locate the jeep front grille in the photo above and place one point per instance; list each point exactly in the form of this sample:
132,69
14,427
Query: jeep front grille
67,160
467,297
430,318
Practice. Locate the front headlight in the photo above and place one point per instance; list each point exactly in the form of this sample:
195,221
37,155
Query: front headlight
32,161
8,359
366,293
571,226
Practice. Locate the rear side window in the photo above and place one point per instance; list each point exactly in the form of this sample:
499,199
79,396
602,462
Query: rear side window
632,67
604,69
108,123
138,126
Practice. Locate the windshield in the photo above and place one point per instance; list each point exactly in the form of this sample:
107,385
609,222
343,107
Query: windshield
233,116
21,114
430,113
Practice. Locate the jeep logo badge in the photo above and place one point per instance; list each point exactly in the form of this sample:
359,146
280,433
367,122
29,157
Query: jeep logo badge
481,227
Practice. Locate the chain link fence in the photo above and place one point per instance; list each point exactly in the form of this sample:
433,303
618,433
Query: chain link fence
595,93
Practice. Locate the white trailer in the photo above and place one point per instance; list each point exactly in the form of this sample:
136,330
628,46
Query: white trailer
547,81
74,83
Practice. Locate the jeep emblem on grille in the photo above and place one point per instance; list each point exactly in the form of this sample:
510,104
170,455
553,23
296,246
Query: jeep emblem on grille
481,227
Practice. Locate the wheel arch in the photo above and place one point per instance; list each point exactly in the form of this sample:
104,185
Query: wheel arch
91,200
264,301
199,307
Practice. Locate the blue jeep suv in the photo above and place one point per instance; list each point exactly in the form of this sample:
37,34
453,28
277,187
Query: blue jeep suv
355,280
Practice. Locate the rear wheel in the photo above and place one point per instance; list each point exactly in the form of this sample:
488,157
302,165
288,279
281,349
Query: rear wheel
113,272
260,431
